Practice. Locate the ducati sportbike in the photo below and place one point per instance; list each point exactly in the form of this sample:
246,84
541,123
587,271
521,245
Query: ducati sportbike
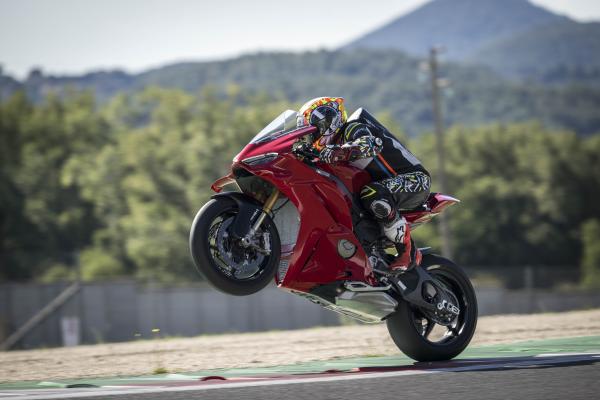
298,221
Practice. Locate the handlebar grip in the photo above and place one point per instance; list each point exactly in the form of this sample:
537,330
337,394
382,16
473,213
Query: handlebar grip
304,151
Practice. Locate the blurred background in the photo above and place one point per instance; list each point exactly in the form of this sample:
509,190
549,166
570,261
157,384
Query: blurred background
116,116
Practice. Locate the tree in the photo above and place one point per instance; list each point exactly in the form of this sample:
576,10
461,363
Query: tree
590,263
17,233
522,189
148,184
45,220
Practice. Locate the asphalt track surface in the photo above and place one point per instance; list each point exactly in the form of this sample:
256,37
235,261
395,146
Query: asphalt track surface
571,382
544,376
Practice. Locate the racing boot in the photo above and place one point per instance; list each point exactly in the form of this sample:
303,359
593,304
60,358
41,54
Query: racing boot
398,231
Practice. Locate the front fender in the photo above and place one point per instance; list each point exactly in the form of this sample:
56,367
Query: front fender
249,209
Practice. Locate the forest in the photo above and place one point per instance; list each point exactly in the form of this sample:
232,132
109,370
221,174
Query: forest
109,189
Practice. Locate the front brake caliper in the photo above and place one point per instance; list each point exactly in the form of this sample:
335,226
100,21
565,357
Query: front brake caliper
267,241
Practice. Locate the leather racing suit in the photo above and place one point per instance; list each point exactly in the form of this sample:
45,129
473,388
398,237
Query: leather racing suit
399,180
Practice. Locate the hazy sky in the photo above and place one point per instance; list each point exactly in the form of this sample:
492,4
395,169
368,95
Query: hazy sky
73,36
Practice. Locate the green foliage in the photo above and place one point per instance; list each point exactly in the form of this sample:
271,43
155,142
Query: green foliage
548,53
148,183
45,214
590,263
16,230
525,192
116,187
58,272
97,264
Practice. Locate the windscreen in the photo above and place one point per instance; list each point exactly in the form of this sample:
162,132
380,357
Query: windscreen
283,124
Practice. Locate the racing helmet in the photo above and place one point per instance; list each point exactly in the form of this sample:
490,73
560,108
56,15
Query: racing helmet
327,114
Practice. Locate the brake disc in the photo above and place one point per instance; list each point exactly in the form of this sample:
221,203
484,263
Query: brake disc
245,262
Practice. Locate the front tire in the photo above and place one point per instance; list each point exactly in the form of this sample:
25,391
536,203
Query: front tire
207,248
413,336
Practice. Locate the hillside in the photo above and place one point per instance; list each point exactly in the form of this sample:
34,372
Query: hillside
461,26
563,47
380,80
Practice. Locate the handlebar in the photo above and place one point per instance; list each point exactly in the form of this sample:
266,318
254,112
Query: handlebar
306,152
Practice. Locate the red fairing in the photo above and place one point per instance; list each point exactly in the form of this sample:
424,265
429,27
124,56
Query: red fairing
280,145
325,219
324,209
440,201
217,186
353,178
435,204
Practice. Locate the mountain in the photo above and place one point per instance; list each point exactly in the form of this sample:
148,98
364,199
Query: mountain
461,26
380,80
514,37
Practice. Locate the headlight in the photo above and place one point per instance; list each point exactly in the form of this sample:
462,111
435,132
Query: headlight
260,159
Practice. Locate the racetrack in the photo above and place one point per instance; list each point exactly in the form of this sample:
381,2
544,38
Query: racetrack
574,381
266,349
542,376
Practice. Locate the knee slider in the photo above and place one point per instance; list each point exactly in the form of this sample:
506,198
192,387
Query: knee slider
382,209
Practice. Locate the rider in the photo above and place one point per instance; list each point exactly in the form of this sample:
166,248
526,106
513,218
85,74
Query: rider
399,181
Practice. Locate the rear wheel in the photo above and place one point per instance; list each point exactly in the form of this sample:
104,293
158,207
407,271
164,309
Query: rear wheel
416,332
228,264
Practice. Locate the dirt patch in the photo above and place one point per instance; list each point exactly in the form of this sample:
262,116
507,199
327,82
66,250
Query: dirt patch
266,349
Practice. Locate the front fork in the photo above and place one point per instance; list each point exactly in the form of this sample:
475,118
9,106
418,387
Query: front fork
266,210
248,240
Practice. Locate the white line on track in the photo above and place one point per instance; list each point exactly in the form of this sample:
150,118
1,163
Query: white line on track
78,393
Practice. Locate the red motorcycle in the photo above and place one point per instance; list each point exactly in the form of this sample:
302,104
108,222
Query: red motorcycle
299,221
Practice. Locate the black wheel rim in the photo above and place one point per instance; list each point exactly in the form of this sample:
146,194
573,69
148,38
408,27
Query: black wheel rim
229,257
435,333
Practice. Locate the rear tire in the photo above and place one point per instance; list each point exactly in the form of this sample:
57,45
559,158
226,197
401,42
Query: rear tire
206,263
408,335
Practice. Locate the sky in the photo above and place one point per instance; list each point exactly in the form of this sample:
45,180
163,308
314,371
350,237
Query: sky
77,36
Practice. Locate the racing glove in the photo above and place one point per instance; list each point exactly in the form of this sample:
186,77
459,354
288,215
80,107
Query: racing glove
332,154
363,147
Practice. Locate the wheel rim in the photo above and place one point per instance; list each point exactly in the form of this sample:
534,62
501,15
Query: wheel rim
230,258
435,333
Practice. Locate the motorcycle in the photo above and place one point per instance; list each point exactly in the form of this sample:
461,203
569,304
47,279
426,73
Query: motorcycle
299,221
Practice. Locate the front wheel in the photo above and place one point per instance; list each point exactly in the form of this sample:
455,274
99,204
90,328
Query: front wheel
231,266
416,333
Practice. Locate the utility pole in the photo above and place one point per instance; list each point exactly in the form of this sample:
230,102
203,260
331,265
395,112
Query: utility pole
439,134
